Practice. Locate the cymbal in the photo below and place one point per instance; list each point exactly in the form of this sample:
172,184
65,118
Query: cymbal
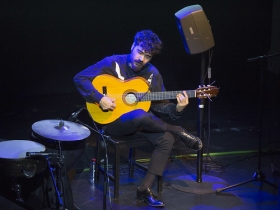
60,130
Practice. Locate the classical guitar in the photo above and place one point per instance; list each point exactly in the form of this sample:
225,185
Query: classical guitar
134,94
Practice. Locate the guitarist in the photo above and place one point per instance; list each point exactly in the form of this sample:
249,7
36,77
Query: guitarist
137,64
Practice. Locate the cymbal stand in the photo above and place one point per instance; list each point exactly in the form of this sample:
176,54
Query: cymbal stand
258,175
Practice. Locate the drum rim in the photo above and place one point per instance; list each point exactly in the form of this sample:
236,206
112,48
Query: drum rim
22,140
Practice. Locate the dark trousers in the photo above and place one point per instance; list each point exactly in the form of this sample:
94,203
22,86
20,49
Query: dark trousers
149,126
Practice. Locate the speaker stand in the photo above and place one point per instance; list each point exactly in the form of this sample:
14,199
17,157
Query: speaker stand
201,102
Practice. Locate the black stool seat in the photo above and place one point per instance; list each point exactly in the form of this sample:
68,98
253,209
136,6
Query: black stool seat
117,143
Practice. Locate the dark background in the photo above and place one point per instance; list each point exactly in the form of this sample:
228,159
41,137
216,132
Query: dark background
43,44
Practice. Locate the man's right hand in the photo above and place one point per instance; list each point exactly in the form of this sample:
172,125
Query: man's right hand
107,103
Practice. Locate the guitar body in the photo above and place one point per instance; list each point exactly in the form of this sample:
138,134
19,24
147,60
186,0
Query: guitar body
122,92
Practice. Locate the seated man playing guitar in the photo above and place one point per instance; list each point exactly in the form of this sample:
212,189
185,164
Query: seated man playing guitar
126,112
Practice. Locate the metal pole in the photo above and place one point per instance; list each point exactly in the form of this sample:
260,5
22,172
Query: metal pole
201,102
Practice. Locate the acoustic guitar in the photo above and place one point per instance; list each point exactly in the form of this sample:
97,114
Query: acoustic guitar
134,94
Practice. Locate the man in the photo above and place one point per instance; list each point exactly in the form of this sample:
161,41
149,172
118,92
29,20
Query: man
137,64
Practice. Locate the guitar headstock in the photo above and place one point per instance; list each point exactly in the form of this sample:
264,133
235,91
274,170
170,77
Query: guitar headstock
207,91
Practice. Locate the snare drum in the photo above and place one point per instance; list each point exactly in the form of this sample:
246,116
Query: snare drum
20,175
13,159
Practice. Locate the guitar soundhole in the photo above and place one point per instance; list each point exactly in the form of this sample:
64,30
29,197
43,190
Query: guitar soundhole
130,98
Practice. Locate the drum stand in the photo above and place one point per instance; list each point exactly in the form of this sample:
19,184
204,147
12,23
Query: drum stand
16,188
63,199
57,184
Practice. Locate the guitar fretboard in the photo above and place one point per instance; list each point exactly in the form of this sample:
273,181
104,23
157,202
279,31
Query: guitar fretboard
154,96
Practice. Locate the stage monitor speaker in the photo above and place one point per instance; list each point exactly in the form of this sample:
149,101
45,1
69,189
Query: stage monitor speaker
195,29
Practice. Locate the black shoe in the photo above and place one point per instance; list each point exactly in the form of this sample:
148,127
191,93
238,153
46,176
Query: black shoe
190,141
148,196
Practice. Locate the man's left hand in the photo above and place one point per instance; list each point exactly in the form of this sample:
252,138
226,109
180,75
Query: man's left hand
182,101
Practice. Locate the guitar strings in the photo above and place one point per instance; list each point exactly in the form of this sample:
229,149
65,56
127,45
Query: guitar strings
154,95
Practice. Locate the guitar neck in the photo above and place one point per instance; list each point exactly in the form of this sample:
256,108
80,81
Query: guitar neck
156,96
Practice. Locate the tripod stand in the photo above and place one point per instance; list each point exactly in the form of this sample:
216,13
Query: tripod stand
258,175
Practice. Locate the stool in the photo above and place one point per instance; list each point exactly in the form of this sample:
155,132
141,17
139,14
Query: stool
132,142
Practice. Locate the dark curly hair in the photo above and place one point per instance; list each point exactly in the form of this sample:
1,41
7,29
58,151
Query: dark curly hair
149,41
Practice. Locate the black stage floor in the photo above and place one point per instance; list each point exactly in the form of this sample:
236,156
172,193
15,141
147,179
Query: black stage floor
230,148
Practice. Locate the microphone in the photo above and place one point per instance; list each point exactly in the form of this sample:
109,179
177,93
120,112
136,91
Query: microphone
73,117
29,154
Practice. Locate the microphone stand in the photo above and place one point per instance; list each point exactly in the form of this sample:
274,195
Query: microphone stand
258,175
261,57
105,183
